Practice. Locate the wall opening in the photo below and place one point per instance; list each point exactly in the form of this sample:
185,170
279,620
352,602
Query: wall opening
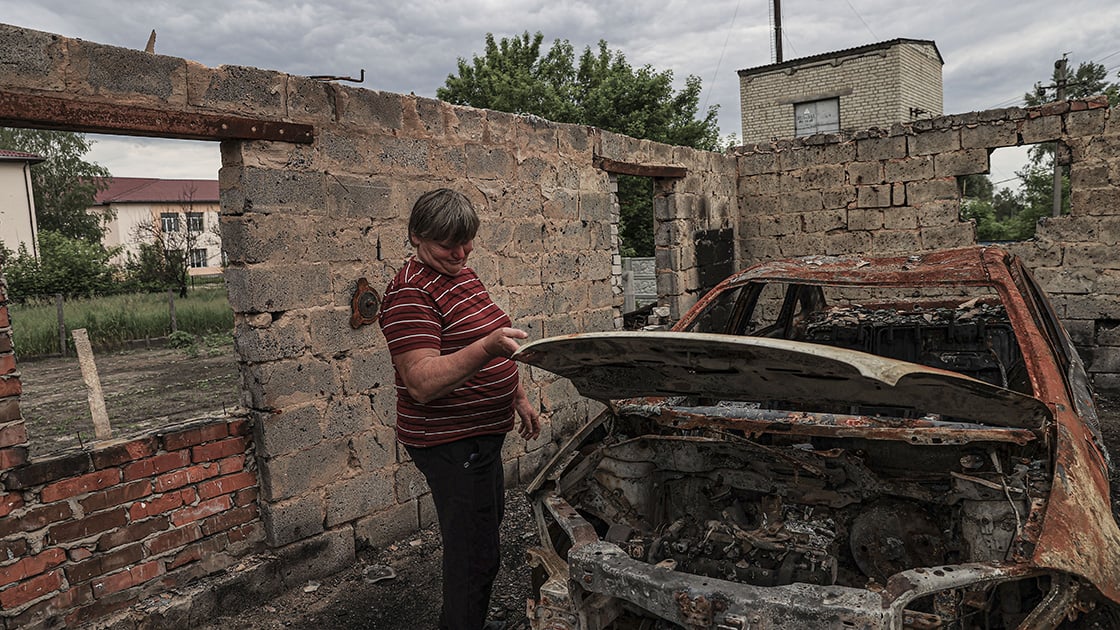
1008,203
151,299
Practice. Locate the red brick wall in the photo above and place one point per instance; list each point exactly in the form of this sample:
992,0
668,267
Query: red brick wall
13,435
90,533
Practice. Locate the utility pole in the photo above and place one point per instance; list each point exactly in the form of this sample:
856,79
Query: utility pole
1060,71
778,31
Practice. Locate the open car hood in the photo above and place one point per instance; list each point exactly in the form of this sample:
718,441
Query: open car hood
618,365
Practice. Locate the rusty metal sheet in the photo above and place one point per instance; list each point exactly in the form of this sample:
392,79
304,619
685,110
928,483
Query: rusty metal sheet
754,421
619,365
46,112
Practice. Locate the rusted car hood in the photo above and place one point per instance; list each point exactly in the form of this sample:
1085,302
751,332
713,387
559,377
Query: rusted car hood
617,365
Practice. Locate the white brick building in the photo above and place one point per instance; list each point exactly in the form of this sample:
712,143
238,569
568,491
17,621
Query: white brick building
846,90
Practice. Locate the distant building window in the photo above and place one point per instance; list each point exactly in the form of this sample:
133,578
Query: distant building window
817,117
198,258
169,221
195,222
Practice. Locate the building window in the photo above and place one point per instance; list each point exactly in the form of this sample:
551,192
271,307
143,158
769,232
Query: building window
195,222
169,221
817,117
198,258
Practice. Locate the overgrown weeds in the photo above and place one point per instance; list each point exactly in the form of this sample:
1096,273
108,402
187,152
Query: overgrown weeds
112,321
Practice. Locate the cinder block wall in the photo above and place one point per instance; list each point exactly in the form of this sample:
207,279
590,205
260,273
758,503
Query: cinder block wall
895,191
302,223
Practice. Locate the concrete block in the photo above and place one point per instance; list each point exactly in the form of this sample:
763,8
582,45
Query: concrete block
918,193
269,190
284,338
1103,359
142,78
389,526
286,382
908,169
314,558
292,430
874,196
264,289
409,483
806,201
934,141
299,472
861,173
374,449
330,332
288,521
1105,332
989,135
872,149
847,243
1086,123
900,219
368,110
948,236
596,206
963,162
1041,129
255,237
370,369
1091,255
895,241
242,90
32,59
359,496
361,197
489,162
347,416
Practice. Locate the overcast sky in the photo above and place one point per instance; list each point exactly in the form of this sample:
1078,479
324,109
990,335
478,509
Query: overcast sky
994,50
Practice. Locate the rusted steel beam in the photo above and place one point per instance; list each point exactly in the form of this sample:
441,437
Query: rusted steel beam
641,170
47,112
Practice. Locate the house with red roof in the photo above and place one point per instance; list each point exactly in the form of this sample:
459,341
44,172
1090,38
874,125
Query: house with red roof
182,213
17,203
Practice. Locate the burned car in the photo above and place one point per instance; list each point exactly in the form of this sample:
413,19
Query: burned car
832,442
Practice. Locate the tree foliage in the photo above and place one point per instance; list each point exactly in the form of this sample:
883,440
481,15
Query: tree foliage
64,184
70,266
602,90
1014,214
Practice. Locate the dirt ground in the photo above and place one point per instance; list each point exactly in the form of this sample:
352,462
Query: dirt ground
149,388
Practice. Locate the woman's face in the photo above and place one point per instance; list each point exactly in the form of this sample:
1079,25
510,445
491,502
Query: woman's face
445,257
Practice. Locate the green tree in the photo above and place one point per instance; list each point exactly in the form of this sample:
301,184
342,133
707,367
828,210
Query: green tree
602,90
70,266
64,184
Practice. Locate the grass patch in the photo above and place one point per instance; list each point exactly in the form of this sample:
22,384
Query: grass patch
114,320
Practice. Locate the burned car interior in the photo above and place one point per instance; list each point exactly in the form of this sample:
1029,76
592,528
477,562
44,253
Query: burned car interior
827,442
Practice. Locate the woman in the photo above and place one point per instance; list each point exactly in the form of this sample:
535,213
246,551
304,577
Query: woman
457,394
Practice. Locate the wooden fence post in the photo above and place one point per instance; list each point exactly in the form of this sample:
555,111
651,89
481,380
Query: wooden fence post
101,428
61,324
171,309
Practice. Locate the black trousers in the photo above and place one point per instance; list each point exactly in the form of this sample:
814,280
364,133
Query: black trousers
467,483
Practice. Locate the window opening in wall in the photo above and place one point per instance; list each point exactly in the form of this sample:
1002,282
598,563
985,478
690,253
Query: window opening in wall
636,246
812,117
125,302
1008,203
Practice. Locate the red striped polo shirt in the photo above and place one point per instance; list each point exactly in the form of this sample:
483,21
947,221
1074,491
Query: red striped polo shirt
423,308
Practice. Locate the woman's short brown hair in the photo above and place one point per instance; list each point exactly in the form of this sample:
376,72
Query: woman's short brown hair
443,215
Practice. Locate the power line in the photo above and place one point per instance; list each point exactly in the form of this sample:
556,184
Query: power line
861,19
721,52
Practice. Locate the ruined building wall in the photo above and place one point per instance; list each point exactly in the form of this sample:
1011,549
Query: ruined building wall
892,191
301,224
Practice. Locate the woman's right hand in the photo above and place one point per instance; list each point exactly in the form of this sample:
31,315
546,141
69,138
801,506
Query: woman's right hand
503,342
